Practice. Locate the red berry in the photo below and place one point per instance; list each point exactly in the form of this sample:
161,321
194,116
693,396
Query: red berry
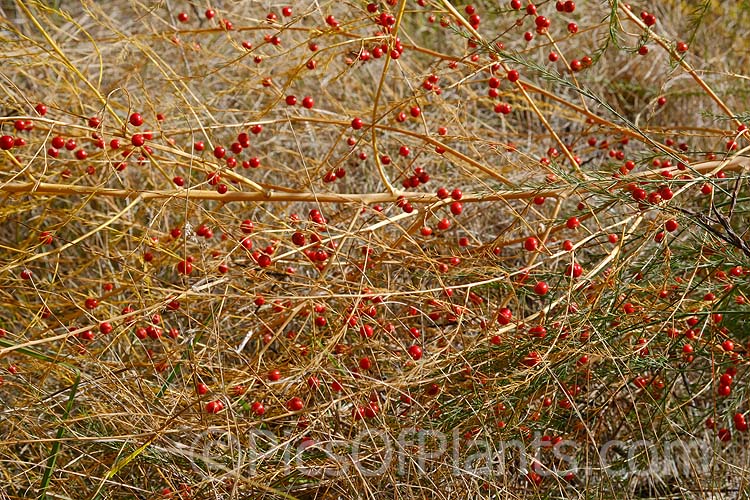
136,120
185,267
247,226
295,404
541,288
214,406
257,408
264,260
432,390
415,352
331,21
365,363
504,316
298,239
574,270
724,434
45,237
532,359
739,422
366,331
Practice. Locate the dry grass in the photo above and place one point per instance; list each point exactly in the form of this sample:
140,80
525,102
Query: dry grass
93,414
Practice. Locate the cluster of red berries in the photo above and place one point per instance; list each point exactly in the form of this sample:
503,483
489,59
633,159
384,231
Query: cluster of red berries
420,176
648,18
